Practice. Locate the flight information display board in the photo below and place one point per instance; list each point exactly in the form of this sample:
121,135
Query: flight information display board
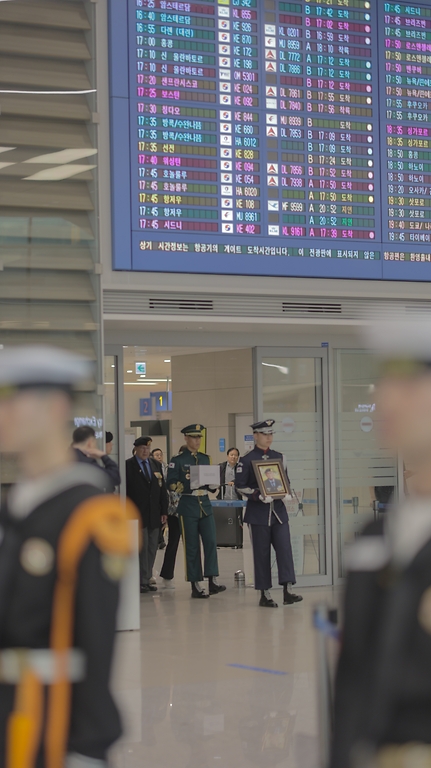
272,137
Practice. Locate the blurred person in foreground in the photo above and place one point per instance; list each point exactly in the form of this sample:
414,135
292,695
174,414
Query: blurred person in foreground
86,451
63,545
383,682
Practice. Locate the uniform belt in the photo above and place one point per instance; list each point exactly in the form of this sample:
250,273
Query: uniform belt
412,755
49,666
199,492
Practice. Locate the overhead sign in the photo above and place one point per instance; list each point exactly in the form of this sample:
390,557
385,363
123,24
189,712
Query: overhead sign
140,369
145,406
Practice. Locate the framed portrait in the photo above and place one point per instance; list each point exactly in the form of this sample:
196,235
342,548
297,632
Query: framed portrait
271,478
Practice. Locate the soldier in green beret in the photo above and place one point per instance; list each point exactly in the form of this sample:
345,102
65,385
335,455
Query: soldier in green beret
195,515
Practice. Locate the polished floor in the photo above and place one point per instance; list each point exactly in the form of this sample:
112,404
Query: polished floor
219,683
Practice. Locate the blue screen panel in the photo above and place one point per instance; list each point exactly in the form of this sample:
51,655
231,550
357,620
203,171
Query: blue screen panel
272,137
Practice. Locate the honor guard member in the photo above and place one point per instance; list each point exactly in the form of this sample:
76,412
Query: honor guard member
63,544
383,682
267,519
195,514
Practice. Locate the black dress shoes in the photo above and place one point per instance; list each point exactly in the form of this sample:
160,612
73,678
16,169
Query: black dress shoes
266,600
198,593
215,588
144,588
289,598
152,588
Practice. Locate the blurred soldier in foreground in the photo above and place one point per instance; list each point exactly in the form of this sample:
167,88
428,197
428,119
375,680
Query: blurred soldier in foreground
62,549
383,685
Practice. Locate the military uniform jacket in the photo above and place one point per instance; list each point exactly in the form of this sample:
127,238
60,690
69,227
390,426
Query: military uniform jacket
383,682
191,504
28,529
257,512
151,498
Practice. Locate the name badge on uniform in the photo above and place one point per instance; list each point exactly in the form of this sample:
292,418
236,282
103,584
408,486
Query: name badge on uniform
159,478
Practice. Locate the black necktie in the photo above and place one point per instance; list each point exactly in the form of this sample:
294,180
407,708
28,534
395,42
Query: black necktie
146,471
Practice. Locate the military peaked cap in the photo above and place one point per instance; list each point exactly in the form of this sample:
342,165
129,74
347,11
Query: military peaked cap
265,427
193,430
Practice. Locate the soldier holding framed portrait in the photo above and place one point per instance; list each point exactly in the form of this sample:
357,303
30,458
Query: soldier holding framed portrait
262,478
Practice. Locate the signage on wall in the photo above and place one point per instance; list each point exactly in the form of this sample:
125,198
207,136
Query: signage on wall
366,424
288,424
248,443
90,421
140,369
145,406
163,401
222,444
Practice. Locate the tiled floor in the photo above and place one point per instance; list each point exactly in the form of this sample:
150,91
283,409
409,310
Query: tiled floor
185,706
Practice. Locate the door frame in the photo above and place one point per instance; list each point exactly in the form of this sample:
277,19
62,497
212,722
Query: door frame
319,353
116,351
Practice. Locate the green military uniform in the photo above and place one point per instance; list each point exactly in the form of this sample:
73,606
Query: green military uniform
195,515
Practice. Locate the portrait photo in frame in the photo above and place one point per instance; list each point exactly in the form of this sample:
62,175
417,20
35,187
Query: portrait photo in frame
271,477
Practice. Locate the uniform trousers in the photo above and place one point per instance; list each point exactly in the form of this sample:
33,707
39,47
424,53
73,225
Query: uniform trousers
193,529
150,543
171,550
262,536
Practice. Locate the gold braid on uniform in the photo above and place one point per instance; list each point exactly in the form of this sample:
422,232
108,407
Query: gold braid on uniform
177,487
103,520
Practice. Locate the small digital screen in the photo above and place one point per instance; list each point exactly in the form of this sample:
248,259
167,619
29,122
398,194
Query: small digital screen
272,137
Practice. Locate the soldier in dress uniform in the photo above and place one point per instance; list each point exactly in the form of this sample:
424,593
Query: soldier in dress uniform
195,514
267,519
383,682
63,544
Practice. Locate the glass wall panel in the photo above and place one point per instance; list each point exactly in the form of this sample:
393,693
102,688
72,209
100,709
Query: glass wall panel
365,474
292,394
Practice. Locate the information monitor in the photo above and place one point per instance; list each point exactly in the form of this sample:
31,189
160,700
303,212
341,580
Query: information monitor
272,137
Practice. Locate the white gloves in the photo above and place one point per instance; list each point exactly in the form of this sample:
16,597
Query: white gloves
266,499
287,497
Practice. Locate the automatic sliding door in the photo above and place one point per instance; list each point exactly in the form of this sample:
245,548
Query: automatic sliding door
291,387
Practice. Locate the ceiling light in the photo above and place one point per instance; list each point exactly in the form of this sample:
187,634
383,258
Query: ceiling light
281,368
59,173
50,93
5,165
6,149
166,361
62,157
129,371
112,366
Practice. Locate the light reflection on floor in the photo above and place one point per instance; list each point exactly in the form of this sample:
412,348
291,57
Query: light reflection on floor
184,707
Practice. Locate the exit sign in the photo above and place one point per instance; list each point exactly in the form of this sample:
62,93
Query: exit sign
140,369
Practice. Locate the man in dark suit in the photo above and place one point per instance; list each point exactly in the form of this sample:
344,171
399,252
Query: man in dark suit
146,486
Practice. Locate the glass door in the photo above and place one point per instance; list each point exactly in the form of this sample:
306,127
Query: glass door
291,387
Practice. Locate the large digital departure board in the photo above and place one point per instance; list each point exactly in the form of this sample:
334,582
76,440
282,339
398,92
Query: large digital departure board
272,137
